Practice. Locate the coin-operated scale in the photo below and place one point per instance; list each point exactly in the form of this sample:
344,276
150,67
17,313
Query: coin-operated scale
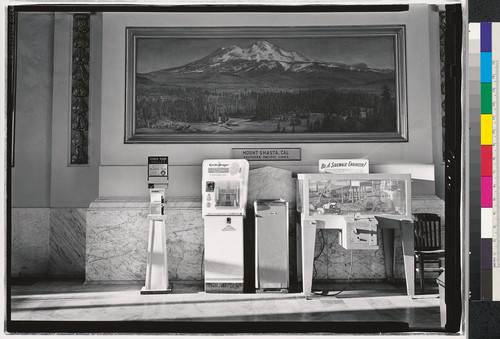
348,202
157,264
224,200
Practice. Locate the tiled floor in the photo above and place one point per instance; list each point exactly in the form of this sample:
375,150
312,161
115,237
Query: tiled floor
365,302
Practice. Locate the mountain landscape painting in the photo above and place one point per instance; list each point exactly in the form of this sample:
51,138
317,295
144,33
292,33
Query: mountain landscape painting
282,86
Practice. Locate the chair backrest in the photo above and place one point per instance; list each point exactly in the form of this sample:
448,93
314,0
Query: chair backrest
427,231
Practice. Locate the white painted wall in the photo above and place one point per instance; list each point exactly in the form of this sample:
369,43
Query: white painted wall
42,175
122,167
74,185
33,124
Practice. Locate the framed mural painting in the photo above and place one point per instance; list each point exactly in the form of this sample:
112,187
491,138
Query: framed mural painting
266,84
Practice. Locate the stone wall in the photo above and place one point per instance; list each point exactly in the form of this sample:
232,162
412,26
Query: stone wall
48,241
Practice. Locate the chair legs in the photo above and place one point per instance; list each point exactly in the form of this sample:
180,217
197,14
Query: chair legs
421,268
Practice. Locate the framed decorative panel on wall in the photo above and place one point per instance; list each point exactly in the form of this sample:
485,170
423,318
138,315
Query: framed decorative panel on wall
266,84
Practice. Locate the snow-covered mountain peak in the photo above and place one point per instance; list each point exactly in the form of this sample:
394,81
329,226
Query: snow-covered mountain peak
259,51
262,46
263,56
264,50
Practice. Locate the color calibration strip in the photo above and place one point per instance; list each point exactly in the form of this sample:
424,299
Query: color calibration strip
495,157
486,163
474,85
489,55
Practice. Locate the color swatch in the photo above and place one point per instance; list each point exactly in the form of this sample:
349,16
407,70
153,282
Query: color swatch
494,154
486,180
482,42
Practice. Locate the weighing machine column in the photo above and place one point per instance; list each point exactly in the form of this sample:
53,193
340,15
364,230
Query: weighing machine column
157,264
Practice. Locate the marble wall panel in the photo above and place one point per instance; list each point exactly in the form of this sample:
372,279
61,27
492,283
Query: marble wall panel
271,183
321,255
67,242
334,263
431,204
117,237
116,244
185,239
30,241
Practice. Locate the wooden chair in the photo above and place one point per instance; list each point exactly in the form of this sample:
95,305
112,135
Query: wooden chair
428,247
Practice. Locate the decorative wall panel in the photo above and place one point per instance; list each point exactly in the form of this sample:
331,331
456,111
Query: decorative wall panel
80,89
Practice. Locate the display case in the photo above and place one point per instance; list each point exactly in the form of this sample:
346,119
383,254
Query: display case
329,198
356,205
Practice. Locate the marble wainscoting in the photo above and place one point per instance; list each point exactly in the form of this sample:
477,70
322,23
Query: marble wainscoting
30,241
48,242
271,183
117,231
334,262
67,242
117,238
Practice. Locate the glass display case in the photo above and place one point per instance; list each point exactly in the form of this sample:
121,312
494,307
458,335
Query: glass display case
326,196
356,205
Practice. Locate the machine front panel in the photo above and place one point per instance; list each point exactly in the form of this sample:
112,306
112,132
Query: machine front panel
271,223
224,249
224,187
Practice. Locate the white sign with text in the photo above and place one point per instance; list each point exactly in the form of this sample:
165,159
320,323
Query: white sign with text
343,166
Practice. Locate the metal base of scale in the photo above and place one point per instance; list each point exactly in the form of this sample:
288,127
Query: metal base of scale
271,290
156,266
145,291
224,287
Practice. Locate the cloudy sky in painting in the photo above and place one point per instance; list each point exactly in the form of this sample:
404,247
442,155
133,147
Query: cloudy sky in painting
155,54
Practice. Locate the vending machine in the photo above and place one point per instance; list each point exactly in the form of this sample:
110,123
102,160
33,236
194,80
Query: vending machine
224,200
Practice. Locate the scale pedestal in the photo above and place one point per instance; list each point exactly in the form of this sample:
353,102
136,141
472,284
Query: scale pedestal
157,265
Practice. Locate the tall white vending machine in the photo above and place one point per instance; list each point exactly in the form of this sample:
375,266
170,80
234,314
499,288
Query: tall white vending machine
224,200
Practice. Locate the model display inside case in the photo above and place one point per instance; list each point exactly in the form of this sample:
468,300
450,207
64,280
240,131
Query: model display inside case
367,194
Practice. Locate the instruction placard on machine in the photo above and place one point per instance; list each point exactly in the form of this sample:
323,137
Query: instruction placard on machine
157,167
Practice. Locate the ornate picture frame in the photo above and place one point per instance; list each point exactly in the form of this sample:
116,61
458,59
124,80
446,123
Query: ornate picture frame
266,84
